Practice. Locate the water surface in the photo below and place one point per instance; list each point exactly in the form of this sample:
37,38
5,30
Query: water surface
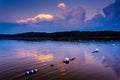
18,56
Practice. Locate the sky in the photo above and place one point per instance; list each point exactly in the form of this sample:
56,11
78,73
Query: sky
17,16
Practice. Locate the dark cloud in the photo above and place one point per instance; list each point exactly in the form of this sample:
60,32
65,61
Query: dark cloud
112,13
110,20
97,20
76,17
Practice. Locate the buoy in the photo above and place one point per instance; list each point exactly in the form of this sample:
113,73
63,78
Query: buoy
32,71
51,65
113,45
72,58
65,61
96,51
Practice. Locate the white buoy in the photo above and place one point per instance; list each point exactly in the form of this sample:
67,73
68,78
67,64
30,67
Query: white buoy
113,45
36,70
97,50
67,59
32,71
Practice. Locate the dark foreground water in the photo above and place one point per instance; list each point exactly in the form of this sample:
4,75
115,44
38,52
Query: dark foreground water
18,56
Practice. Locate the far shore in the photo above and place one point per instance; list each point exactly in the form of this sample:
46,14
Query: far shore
64,36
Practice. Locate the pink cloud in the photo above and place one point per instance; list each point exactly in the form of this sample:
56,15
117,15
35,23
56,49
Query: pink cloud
38,18
61,6
72,15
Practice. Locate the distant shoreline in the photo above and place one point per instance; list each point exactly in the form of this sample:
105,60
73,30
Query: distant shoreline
64,36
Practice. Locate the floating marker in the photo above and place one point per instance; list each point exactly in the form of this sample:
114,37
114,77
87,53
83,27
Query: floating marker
27,73
51,65
113,45
66,60
96,51
32,71
72,58
36,70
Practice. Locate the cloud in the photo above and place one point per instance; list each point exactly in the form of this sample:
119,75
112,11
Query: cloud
36,19
72,15
74,19
97,20
112,13
110,20
61,6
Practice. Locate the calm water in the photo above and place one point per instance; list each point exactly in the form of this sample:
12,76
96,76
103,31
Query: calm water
18,56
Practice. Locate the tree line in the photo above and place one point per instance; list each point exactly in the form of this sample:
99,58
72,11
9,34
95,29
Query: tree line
65,36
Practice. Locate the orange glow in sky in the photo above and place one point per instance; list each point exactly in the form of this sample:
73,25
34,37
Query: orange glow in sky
39,17
44,17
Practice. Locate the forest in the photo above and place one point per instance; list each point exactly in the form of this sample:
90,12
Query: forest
64,36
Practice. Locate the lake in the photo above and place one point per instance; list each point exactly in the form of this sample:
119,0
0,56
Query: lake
16,57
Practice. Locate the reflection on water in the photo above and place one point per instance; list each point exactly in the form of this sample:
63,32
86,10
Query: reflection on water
45,58
18,56
33,53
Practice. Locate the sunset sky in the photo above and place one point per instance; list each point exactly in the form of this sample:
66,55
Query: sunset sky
17,16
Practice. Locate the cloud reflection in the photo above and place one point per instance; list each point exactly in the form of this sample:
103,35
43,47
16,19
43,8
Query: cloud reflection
43,57
62,69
